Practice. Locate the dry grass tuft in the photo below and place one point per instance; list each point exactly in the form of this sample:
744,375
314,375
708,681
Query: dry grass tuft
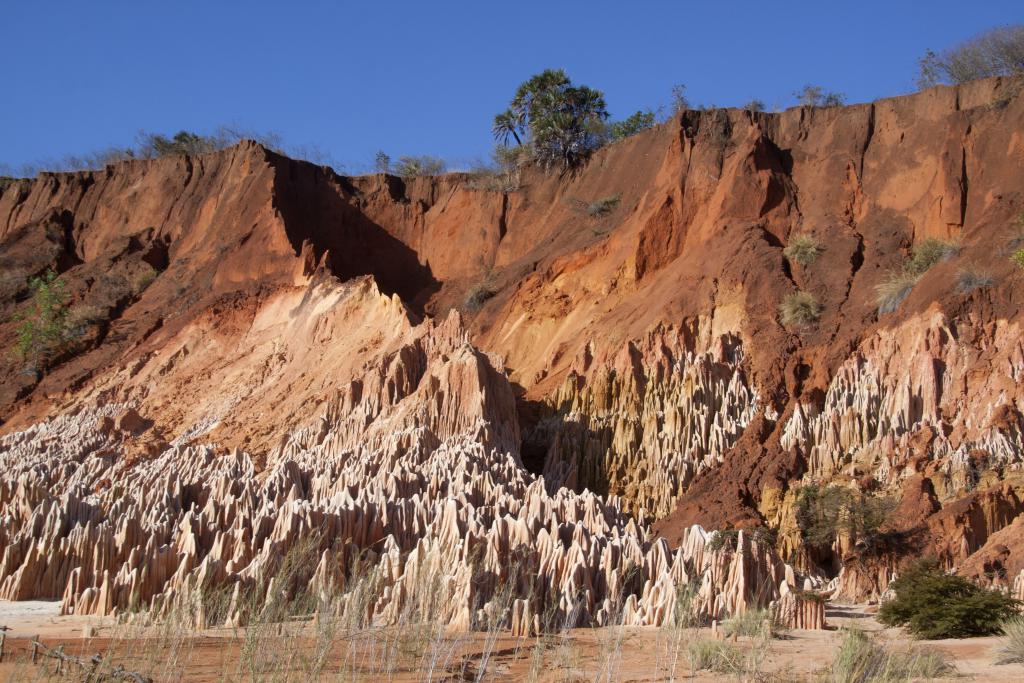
756,623
1011,651
968,280
800,309
862,660
802,249
929,252
603,206
893,290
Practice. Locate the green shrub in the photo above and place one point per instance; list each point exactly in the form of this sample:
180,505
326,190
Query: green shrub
933,604
754,105
862,660
824,512
929,252
603,206
635,123
413,166
969,280
1018,258
44,326
381,162
803,249
1011,650
799,309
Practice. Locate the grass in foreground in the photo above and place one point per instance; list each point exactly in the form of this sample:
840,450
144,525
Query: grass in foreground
863,660
1011,650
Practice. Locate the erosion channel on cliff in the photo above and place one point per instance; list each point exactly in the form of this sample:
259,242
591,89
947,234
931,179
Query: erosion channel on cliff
270,358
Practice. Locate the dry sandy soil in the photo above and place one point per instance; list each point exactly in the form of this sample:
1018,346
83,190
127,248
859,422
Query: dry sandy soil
582,655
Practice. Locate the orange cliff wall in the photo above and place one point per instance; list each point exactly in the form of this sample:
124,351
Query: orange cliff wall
644,345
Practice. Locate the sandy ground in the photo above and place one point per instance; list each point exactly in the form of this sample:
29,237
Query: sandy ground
629,654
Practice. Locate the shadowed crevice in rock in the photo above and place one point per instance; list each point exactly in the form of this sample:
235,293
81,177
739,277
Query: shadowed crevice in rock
317,208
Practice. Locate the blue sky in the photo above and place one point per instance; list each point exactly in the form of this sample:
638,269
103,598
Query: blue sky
427,77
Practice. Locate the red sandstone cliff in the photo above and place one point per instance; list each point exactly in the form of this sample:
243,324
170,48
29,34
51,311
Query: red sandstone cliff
242,300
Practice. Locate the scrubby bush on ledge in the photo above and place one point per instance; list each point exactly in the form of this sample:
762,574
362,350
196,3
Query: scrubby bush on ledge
603,206
414,166
933,604
1018,257
44,326
799,309
891,292
816,96
929,252
968,280
803,249
478,294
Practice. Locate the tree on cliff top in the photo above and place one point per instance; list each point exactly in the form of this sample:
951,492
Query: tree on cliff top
996,52
561,123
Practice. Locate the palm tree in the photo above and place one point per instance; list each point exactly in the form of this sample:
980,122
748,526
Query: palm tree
564,122
505,124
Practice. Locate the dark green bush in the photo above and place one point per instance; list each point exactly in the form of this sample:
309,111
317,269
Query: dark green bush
823,512
641,120
933,604
183,142
44,326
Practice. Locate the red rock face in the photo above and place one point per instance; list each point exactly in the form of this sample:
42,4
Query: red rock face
243,303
